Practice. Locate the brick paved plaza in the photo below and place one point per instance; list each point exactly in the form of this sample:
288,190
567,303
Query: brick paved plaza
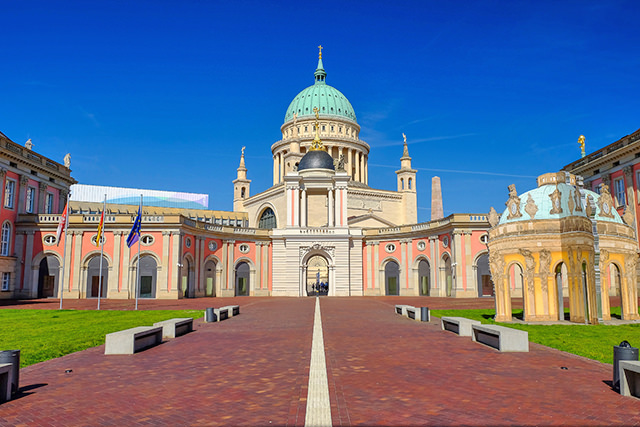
382,369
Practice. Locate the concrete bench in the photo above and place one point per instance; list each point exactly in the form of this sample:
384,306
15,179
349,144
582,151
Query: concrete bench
175,327
234,310
6,378
501,337
133,340
402,309
629,378
221,313
458,325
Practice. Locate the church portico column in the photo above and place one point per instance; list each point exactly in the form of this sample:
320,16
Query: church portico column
331,209
357,165
303,207
281,163
350,163
457,261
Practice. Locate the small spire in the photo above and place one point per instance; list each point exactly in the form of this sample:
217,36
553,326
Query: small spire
581,143
242,169
242,166
320,74
405,152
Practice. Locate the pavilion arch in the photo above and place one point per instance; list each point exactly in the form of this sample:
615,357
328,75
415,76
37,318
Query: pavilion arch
212,275
561,281
264,209
90,276
482,274
46,274
613,277
446,274
187,277
390,276
151,265
244,277
515,283
421,275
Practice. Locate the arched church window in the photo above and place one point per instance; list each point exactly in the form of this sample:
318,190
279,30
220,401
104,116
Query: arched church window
267,219
242,192
323,126
306,129
402,183
409,183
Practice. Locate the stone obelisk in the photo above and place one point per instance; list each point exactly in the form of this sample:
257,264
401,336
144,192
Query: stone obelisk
436,199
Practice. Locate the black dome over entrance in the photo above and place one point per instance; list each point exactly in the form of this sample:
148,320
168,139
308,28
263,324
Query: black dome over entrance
316,159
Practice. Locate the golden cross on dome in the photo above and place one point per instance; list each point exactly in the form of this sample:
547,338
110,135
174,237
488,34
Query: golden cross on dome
320,55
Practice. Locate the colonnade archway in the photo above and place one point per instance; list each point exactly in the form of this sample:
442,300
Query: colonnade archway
95,286
48,276
392,278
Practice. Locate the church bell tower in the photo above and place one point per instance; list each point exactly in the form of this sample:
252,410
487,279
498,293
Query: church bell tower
241,186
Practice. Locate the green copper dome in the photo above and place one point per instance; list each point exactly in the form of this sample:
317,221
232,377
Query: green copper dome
329,100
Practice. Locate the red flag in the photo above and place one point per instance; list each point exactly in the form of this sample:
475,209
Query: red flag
62,225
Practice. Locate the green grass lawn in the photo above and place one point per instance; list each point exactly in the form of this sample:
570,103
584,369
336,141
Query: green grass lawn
45,334
592,341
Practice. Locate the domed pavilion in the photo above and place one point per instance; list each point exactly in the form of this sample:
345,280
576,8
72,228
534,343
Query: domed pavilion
561,241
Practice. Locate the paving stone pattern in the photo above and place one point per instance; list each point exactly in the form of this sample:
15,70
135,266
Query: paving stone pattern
382,369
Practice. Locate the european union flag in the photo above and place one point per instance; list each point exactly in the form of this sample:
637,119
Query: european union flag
134,234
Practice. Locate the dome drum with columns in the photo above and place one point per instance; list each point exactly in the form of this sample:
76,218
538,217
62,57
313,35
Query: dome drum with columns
337,127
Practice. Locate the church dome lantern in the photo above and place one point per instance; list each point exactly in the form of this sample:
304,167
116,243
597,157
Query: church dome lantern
328,100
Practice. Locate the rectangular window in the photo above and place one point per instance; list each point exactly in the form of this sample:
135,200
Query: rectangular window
618,185
6,278
49,203
9,193
31,195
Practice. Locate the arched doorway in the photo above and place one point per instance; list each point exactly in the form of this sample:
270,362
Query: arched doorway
392,278
148,277
615,286
188,274
317,280
424,275
93,277
446,274
48,276
483,276
210,278
562,288
243,272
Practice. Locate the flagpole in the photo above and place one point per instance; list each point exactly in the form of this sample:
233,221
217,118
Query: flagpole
138,269
101,241
64,250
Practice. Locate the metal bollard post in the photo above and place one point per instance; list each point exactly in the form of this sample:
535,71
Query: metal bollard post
209,315
624,351
424,314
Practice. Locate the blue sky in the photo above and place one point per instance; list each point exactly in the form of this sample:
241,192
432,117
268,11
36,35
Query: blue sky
163,94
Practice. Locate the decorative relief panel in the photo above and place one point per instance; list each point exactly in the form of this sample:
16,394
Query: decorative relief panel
375,205
317,247
531,207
